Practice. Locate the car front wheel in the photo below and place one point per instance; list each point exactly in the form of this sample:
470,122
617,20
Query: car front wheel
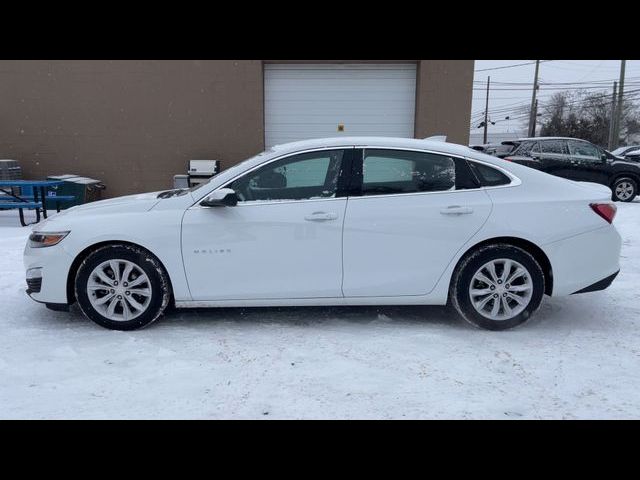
497,287
624,190
122,287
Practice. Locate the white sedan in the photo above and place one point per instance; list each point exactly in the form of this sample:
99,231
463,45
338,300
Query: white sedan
339,221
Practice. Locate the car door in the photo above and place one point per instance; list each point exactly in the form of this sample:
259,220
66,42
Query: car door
282,240
527,153
588,164
407,216
554,158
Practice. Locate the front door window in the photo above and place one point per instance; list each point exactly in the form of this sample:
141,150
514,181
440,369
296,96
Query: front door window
299,177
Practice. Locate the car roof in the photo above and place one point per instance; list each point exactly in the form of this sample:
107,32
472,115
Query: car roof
550,138
394,142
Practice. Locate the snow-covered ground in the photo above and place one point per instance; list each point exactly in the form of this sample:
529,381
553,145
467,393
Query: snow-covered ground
578,358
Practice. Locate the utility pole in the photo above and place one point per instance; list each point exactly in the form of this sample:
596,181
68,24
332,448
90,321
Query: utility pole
612,118
532,119
535,117
616,133
486,111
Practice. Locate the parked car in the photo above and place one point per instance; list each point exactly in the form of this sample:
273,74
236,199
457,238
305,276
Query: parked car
500,150
634,156
624,151
496,149
580,160
508,146
341,221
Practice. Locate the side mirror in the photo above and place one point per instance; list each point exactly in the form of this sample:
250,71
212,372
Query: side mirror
224,197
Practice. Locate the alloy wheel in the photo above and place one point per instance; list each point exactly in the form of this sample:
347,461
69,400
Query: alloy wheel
624,190
501,289
119,290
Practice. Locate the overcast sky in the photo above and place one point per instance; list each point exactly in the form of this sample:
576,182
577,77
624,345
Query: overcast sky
551,71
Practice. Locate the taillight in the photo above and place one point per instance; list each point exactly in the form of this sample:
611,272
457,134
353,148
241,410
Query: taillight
508,159
605,210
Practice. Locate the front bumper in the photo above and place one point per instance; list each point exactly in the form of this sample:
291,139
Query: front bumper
53,265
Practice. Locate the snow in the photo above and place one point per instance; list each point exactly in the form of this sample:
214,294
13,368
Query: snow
579,357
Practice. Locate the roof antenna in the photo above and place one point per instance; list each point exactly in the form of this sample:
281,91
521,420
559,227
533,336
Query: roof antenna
437,138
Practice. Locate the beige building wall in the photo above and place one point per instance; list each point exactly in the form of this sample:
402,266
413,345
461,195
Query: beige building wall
443,104
134,124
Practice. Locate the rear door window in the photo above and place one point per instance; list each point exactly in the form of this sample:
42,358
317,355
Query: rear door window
524,149
401,171
556,147
488,176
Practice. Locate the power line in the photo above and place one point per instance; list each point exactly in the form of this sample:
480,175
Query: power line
510,66
543,82
478,116
631,94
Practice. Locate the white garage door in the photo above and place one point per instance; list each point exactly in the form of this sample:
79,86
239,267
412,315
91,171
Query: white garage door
314,101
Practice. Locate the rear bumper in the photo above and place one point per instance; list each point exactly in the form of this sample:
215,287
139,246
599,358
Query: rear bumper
599,285
583,261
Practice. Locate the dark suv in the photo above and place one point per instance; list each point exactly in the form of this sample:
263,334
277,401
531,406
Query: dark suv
580,160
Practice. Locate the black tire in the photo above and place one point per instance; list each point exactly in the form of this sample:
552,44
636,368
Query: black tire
463,275
629,181
149,264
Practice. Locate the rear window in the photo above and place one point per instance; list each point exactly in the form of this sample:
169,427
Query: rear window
488,176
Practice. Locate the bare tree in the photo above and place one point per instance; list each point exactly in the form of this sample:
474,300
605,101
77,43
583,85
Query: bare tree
586,115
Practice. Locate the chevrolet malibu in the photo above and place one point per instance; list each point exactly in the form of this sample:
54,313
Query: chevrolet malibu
339,221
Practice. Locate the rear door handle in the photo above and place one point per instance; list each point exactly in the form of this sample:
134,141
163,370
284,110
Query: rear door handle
456,210
321,216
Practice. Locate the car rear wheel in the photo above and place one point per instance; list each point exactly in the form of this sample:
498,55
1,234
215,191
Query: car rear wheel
497,287
624,189
122,287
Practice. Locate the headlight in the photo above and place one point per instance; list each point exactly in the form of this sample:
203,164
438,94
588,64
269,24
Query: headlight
41,239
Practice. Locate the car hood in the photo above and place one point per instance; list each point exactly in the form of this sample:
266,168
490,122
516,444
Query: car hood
140,200
127,204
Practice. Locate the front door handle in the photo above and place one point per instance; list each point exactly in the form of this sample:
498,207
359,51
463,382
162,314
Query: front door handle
321,216
456,210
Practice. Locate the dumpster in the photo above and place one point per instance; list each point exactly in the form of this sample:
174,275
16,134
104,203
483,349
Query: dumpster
66,188
82,188
90,189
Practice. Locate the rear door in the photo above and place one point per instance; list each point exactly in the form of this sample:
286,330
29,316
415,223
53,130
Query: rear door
554,158
407,216
527,153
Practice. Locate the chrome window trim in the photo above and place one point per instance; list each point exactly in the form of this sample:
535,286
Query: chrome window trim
281,157
515,181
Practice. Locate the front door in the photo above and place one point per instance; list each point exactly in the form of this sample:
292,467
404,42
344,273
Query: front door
414,212
282,240
587,162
